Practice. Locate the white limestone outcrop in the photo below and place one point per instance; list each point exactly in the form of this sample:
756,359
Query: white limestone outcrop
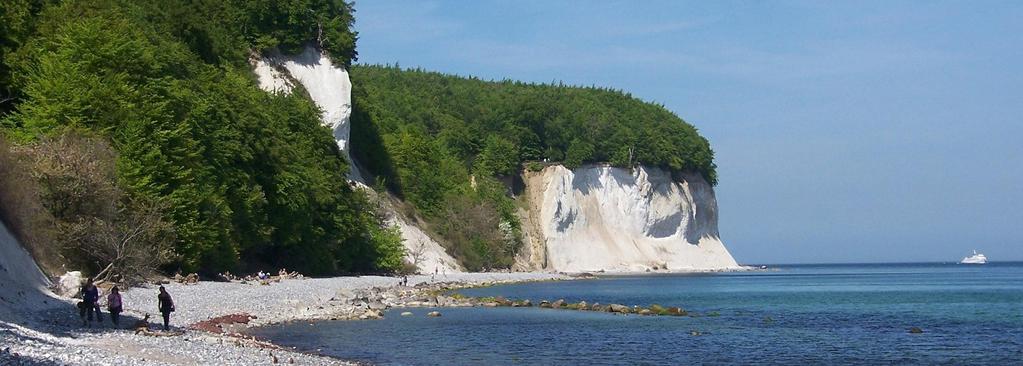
603,218
592,218
331,89
23,286
328,86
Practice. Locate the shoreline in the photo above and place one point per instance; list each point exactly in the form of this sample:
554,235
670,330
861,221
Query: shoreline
212,318
53,334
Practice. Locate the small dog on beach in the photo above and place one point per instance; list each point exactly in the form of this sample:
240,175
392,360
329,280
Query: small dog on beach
142,326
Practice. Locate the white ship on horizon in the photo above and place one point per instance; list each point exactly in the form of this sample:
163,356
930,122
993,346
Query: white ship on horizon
976,258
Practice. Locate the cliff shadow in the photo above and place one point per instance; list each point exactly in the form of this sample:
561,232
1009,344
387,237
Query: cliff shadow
587,177
367,147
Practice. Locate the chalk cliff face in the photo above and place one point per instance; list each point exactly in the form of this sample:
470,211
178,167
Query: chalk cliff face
331,89
587,219
328,86
22,284
603,218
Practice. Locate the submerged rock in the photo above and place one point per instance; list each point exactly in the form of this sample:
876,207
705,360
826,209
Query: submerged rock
371,314
915,330
433,314
618,308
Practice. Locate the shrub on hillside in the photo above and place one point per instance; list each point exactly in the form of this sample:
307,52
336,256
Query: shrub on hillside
97,226
21,211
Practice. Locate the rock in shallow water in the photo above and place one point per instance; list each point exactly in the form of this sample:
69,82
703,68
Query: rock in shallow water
618,308
433,314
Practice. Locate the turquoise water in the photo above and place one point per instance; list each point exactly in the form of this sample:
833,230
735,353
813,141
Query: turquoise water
811,314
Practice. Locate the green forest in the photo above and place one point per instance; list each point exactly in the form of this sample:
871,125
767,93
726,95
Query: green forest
141,122
246,180
441,142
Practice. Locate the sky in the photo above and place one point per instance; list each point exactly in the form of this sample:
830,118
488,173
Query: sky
857,131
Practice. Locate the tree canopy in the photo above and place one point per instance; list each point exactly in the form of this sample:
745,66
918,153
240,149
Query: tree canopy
449,144
493,127
247,178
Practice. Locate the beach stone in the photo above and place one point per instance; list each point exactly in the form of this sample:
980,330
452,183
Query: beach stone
433,314
915,330
344,294
522,304
583,305
376,305
545,304
69,284
503,301
558,304
618,308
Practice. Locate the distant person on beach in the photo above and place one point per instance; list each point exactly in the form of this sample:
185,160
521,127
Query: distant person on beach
114,305
89,304
166,306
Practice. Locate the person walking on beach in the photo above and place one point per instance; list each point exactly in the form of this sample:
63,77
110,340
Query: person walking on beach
114,305
166,306
89,305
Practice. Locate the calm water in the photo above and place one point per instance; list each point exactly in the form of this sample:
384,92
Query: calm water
823,314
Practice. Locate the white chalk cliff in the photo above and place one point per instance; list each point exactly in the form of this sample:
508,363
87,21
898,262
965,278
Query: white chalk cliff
331,89
603,218
23,285
588,219
328,86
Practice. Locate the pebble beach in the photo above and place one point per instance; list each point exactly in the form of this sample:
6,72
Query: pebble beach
52,334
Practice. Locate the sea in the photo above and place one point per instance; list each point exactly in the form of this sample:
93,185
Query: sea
833,314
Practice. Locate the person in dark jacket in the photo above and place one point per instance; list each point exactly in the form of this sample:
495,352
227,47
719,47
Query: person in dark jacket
90,302
166,306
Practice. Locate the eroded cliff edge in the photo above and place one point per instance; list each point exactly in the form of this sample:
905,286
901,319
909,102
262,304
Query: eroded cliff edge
329,86
592,218
604,218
